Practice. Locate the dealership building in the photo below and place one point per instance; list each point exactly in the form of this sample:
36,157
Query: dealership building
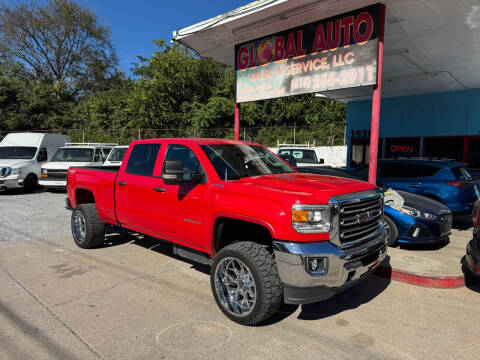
429,83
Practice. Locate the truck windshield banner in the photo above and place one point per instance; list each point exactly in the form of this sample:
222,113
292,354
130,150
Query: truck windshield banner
334,53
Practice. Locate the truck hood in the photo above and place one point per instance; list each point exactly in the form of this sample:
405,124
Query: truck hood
57,165
319,187
14,162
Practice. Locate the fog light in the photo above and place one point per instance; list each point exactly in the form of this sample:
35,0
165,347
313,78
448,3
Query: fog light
416,232
317,265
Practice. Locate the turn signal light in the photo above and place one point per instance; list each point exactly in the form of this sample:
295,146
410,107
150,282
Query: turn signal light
299,215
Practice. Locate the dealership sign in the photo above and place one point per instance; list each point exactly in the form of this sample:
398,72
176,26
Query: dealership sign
335,53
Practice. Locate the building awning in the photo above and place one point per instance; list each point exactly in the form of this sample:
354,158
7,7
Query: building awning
430,45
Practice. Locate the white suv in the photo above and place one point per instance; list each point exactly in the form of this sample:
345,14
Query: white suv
54,173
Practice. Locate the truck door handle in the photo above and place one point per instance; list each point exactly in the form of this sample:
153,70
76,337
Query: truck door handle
122,183
159,189
414,185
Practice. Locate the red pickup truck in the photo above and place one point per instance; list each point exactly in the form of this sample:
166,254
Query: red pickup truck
269,233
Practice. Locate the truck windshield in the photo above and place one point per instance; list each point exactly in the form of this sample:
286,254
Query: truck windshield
117,154
235,161
73,155
17,152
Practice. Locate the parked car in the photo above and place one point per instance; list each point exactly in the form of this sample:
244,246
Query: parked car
116,156
54,173
304,155
266,230
21,157
473,247
446,181
420,220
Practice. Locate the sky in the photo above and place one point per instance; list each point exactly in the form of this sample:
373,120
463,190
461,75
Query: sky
136,23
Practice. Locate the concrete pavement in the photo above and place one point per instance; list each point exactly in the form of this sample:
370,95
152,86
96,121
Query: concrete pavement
132,299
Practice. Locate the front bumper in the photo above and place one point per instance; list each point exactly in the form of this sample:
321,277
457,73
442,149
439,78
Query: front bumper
11,182
53,183
346,267
422,231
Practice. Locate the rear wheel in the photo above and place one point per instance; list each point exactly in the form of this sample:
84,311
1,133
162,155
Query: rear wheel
245,283
392,231
87,229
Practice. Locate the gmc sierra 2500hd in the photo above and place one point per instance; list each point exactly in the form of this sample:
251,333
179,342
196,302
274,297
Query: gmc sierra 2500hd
269,233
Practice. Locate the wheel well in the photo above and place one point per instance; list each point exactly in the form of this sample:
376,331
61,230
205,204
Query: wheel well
84,196
228,230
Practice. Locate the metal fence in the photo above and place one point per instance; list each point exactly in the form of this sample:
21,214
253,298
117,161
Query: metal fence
328,134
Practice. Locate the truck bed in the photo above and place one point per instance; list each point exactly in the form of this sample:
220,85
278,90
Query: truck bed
98,180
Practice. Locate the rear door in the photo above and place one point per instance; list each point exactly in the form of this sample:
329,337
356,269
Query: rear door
137,201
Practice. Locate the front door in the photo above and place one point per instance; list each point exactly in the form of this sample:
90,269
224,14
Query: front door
186,204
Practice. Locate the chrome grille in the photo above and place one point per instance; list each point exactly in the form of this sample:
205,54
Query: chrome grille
359,219
57,174
5,171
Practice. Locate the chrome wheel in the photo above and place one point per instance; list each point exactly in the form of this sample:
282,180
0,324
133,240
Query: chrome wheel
79,227
235,286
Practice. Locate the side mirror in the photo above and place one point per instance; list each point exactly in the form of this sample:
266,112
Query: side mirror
173,173
321,161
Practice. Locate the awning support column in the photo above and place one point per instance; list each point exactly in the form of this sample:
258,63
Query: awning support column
377,96
236,128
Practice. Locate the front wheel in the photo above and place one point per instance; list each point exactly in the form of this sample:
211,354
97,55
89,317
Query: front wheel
87,229
245,283
392,231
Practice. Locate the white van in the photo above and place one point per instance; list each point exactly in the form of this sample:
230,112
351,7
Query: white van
116,156
54,173
22,155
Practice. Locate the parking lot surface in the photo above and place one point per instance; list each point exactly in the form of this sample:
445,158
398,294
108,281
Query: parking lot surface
133,299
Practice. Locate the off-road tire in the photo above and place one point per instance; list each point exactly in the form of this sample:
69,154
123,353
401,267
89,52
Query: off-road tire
393,231
262,266
94,229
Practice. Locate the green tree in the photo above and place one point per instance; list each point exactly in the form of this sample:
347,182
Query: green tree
59,43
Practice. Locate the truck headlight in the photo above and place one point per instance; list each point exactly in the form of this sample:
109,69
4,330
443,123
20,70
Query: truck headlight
17,171
416,213
44,173
311,218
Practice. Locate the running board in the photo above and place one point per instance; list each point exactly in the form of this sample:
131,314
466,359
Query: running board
193,255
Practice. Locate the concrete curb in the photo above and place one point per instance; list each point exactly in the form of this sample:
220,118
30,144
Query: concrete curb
441,282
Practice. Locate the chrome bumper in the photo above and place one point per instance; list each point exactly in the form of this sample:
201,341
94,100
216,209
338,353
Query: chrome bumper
9,183
344,266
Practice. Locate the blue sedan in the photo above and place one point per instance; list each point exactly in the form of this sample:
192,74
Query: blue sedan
419,220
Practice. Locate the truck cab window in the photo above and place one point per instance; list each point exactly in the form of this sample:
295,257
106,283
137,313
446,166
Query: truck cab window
142,159
189,161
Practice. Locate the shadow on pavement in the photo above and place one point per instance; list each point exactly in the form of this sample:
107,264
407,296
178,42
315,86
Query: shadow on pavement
462,222
21,192
352,298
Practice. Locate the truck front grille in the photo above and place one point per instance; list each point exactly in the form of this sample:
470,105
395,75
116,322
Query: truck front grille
57,174
359,219
5,171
